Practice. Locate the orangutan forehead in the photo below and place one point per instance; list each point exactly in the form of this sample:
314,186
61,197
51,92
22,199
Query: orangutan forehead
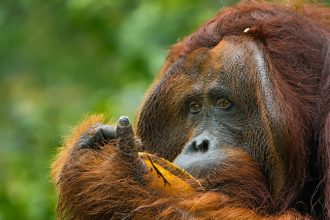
238,58
235,65
232,57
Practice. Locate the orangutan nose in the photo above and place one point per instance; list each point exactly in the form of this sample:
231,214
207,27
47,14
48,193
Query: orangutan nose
200,145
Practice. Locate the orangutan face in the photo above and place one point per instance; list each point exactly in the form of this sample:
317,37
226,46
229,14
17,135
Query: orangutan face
213,111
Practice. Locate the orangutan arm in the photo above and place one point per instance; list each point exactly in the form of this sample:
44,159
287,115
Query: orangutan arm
108,180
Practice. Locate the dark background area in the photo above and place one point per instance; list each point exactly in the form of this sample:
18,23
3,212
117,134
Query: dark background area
61,60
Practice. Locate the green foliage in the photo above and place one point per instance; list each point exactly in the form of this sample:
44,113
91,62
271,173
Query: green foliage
61,60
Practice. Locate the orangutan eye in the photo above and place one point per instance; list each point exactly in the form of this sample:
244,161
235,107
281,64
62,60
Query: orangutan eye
195,107
223,103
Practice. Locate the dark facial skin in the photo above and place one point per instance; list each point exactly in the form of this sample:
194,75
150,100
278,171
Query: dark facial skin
211,103
215,110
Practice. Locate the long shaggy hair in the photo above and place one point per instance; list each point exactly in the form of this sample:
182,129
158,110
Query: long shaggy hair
296,42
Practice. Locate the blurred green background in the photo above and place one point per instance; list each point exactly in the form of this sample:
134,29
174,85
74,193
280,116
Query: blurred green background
61,60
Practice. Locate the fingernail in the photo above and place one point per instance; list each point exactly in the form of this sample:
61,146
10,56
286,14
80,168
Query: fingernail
123,121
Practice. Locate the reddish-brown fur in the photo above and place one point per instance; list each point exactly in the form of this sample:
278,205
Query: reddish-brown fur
296,43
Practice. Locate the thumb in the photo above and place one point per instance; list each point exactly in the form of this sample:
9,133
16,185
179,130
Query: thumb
125,135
